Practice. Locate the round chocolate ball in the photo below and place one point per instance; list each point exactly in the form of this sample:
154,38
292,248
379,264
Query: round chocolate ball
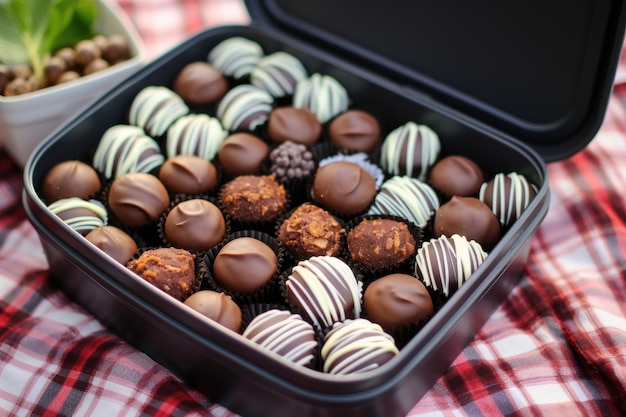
355,130
114,242
194,224
70,179
295,125
469,217
242,154
200,84
456,175
217,306
188,174
137,198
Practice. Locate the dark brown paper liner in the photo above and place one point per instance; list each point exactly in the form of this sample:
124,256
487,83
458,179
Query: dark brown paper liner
407,266
267,293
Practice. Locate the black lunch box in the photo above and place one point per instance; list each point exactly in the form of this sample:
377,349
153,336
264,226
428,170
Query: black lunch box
511,85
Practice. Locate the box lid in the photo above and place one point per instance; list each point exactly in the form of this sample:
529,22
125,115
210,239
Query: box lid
539,71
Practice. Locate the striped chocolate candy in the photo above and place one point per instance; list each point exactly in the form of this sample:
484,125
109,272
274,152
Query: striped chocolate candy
244,108
155,108
81,215
195,134
321,94
507,196
235,57
278,74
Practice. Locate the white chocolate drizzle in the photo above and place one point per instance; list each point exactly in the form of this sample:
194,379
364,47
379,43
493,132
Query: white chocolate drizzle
244,107
195,134
410,136
278,74
235,57
321,94
509,197
155,108
81,224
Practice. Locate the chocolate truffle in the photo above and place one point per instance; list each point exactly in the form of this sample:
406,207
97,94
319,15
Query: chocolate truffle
397,301
137,198
344,187
200,84
244,108
380,243
291,161
195,134
81,215
456,175
70,179
325,289
284,333
243,154
217,306
507,196
253,198
293,124
123,149
470,217
355,130
356,346
278,73
236,56
410,149
244,265
155,108
171,270
406,197
446,263
321,94
311,231
114,242
194,224
188,174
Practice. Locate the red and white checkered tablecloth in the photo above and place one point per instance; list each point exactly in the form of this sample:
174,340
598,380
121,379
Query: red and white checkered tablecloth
555,347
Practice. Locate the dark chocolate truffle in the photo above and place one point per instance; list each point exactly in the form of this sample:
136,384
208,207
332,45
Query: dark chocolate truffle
188,174
470,217
253,198
243,154
194,224
244,265
171,270
137,198
114,242
311,231
200,84
291,161
217,306
397,301
344,187
356,346
295,125
355,130
507,196
456,175
380,243
70,179
284,333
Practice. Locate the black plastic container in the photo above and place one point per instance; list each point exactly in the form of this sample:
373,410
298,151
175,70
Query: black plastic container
400,69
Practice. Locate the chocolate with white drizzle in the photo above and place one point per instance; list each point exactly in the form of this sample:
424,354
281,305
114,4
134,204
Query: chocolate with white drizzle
81,215
155,108
507,196
195,134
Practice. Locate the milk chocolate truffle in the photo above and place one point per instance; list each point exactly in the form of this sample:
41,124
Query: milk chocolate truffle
243,154
311,231
194,224
410,149
155,108
253,198
217,306
284,333
397,301
325,289
171,270
380,243
200,84
70,179
294,124
344,187
356,346
456,175
470,217
446,263
244,265
508,196
114,242
355,130
81,215
188,174
137,198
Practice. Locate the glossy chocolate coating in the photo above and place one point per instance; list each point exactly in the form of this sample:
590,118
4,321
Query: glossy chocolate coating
355,130
218,307
70,179
397,300
114,242
410,149
188,174
470,217
278,73
295,125
507,196
243,154
244,264
155,108
137,198
343,187
244,108
194,224
200,84
81,215
456,175
380,243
